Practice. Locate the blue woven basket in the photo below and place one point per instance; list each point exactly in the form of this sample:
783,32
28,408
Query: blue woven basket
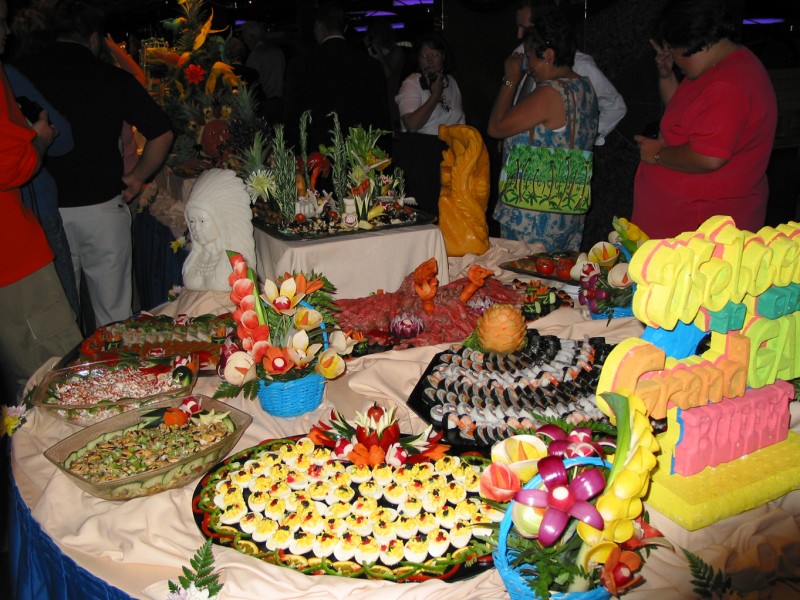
291,398
516,583
296,396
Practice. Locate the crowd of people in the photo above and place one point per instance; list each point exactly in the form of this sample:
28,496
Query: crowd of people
66,176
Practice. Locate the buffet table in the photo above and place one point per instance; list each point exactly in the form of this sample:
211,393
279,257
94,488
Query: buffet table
137,546
357,264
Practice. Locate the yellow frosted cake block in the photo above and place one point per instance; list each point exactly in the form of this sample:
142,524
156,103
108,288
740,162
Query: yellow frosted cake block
720,492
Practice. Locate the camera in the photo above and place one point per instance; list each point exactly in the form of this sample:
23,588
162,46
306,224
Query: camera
29,108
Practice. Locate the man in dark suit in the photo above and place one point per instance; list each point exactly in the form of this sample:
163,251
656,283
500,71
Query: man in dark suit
333,77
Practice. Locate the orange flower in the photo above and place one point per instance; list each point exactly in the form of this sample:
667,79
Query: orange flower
276,361
618,573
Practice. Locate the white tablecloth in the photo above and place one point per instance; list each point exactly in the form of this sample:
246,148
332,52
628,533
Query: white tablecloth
357,264
140,544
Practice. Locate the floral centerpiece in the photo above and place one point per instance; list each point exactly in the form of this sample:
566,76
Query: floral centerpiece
285,334
285,183
606,288
213,114
375,439
573,512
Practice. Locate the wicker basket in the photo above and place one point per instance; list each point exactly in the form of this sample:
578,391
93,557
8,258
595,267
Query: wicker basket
297,396
291,398
516,583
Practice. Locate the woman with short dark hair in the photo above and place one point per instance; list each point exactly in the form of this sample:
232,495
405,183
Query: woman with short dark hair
715,139
538,202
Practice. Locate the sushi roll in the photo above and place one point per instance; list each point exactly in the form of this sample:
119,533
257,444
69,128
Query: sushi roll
343,493
392,552
416,549
233,513
370,489
249,522
411,507
359,525
368,551
446,464
383,474
460,534
265,529
339,510
438,542
301,542
334,526
426,522
296,480
395,493
258,501
319,490
383,530
365,506
346,545
406,527
292,521
275,509
304,446
359,473
281,539
446,516
323,545
455,492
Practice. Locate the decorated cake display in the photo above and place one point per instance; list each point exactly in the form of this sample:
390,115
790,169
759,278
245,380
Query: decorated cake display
358,500
726,407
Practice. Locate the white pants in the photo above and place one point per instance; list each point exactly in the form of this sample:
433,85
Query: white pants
101,247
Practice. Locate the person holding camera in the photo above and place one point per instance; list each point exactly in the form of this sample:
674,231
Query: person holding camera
430,97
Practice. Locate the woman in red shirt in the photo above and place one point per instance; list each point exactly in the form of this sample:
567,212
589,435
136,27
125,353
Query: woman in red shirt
716,135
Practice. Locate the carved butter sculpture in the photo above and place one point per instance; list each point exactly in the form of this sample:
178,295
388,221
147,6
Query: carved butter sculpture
219,218
465,191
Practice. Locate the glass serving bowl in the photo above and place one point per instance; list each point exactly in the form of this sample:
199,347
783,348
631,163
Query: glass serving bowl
88,393
146,483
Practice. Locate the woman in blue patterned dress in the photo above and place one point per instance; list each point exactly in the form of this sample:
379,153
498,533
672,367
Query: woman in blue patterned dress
561,113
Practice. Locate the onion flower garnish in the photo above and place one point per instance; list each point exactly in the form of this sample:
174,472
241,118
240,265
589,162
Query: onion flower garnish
563,498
